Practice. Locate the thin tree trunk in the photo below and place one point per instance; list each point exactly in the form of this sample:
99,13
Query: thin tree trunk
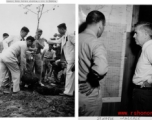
38,25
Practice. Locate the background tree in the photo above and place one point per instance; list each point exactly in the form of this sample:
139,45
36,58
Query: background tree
38,11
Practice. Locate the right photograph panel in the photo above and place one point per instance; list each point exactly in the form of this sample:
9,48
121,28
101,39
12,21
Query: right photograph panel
115,72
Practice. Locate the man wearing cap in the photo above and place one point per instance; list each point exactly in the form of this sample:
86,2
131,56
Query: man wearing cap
68,54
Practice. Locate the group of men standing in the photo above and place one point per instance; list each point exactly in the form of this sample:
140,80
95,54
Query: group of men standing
19,55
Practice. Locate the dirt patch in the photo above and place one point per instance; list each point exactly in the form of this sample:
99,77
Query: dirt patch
33,104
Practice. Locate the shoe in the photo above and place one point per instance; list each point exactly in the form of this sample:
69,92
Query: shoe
41,83
5,90
17,93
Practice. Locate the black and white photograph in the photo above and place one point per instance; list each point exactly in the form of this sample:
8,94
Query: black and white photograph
115,60
37,60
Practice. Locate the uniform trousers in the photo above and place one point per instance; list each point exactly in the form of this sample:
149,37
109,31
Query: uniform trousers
90,105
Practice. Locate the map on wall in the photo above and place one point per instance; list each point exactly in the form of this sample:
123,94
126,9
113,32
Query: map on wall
114,38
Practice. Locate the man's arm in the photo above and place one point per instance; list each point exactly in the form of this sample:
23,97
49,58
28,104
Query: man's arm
43,53
7,41
72,39
98,70
23,58
54,54
100,63
5,45
34,49
54,41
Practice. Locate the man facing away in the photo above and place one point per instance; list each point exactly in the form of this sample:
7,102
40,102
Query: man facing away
67,54
142,79
14,60
93,65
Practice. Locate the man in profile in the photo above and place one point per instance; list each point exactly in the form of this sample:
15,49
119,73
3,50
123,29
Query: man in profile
68,55
142,79
15,38
93,65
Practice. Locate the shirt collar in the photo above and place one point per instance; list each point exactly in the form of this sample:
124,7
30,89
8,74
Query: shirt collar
146,44
22,39
90,32
66,34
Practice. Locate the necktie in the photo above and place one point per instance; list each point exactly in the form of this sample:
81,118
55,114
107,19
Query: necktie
63,55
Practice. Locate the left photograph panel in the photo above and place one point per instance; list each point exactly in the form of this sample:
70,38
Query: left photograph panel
37,60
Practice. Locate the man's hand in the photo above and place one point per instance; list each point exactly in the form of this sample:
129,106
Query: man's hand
23,70
146,84
85,88
55,35
56,62
52,38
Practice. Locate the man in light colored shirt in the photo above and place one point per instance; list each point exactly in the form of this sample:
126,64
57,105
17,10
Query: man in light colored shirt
7,76
93,65
67,54
12,39
142,93
5,35
1,46
10,62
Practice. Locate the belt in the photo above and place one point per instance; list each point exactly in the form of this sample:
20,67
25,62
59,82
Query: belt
47,58
143,88
81,82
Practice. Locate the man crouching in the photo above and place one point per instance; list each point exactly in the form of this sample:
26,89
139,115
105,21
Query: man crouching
14,60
